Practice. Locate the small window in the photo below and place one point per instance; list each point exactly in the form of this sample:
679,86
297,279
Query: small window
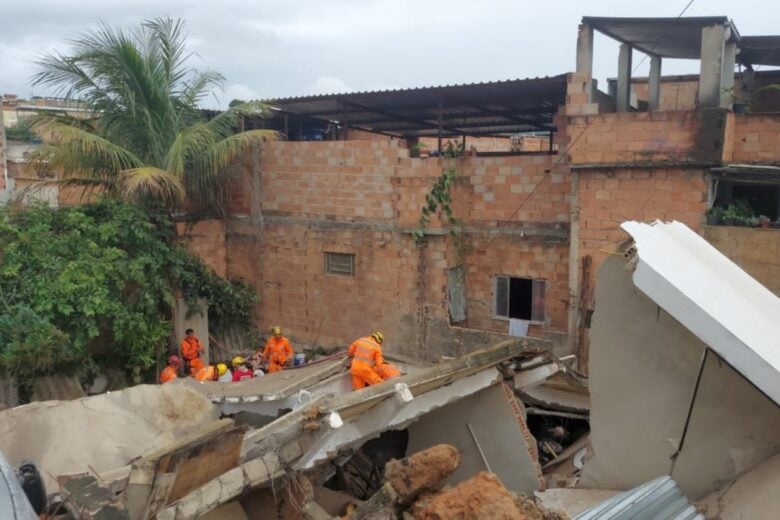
340,263
520,298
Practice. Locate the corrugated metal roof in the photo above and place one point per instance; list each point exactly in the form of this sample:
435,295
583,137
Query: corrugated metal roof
665,37
659,499
711,296
489,108
759,50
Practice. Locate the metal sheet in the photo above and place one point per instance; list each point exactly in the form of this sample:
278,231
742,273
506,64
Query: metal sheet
659,498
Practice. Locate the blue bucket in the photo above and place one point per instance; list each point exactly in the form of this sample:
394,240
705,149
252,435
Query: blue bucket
299,359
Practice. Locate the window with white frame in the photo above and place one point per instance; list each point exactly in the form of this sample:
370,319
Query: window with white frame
521,298
340,263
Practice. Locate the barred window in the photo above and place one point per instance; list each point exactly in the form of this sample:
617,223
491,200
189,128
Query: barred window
340,263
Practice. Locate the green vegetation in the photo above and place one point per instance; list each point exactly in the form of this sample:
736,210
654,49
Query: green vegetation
94,285
439,197
142,137
21,131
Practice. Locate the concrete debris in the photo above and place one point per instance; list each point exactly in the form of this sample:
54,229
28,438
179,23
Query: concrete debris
572,502
483,496
752,495
421,472
663,400
100,433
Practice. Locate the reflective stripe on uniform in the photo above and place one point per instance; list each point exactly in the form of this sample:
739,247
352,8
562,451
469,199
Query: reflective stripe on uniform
365,354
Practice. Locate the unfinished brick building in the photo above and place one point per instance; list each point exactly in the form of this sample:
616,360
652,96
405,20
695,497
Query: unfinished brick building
324,228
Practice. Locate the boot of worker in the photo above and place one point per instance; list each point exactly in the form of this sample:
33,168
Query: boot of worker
387,371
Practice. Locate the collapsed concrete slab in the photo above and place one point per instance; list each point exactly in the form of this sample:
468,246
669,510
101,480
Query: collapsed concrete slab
753,495
100,433
331,427
489,430
672,315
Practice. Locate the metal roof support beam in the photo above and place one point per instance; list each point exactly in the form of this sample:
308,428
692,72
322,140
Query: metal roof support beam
441,119
422,123
623,101
654,84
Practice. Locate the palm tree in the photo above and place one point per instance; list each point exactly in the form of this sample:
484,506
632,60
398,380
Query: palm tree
143,137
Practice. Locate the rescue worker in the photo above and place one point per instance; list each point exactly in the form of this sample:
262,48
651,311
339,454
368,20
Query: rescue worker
191,349
368,365
240,370
224,373
171,371
208,373
277,350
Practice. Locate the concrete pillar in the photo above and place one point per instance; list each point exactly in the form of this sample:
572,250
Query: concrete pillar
654,84
585,55
623,101
713,42
727,75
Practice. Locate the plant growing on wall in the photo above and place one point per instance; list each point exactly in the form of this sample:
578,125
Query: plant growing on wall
439,198
94,285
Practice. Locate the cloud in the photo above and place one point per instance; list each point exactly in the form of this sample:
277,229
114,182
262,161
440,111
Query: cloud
280,48
328,85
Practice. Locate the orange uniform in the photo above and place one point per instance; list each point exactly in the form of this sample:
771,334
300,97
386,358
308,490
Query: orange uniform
277,351
191,350
208,373
367,357
168,374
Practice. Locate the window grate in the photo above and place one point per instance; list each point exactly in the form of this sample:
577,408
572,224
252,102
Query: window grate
342,264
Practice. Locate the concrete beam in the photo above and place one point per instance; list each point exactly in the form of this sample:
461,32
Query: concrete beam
654,84
727,75
713,42
585,55
623,101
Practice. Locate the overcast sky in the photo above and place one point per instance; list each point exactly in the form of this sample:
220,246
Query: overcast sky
278,48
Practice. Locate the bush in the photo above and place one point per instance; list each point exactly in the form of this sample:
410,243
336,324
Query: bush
95,284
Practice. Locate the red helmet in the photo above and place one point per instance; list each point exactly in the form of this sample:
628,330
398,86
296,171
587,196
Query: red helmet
173,360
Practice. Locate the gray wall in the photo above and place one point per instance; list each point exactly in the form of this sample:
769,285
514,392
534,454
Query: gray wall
498,430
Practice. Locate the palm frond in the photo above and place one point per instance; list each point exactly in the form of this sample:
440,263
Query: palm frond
153,183
224,152
80,150
87,186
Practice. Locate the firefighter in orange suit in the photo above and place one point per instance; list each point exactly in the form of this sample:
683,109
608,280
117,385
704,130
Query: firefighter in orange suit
277,350
191,349
368,365
171,371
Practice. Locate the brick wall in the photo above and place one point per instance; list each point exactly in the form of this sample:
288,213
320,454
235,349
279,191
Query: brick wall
675,94
757,251
756,138
206,238
364,198
606,198
644,137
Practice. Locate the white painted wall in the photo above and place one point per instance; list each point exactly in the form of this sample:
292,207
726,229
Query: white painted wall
643,367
